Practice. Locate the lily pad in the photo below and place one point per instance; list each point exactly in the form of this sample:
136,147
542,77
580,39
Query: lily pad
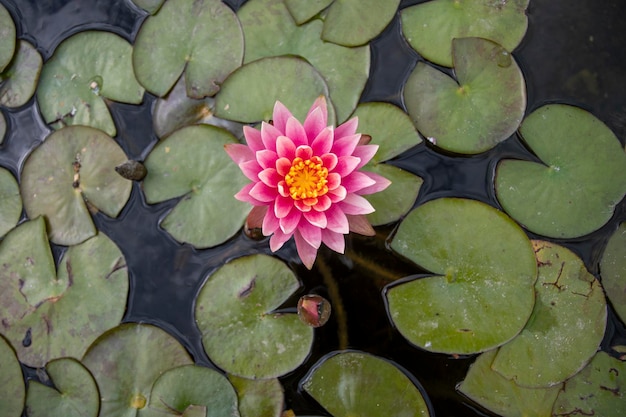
478,110
356,22
201,38
68,174
12,390
270,30
194,386
7,38
566,327
597,390
126,361
430,27
3,127
75,393
87,69
304,10
39,308
259,397
613,271
10,202
242,332
502,396
191,163
248,95
19,80
360,384
151,6
572,191
483,261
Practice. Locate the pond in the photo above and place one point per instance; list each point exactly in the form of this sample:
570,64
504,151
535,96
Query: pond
498,254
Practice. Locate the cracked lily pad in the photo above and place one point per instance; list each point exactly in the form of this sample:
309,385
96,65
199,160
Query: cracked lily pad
478,110
39,307
392,130
19,80
126,361
482,260
7,38
270,30
360,384
191,163
201,38
242,332
259,397
69,174
10,202
613,271
12,390
75,393
86,70
580,178
430,27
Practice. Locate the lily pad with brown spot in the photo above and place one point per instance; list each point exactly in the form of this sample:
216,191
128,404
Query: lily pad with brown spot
613,271
19,80
7,38
12,390
10,201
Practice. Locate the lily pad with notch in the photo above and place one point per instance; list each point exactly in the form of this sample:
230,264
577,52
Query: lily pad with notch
613,270
430,27
70,174
481,108
40,306
7,38
10,201
12,390
571,191
19,80
86,70
481,259
191,163
203,39
303,10
259,397
242,332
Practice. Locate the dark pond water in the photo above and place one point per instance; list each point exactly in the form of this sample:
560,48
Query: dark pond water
572,53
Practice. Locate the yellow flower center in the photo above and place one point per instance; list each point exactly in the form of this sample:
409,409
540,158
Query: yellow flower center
307,178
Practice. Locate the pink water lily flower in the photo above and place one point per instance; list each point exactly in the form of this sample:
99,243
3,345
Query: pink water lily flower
306,181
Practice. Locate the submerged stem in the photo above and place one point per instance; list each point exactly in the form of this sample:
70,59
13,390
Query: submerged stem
336,302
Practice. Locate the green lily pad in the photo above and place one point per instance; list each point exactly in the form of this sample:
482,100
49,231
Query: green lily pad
7,38
259,397
572,191
241,331
12,390
19,80
303,10
248,95
270,30
68,174
203,39
192,163
126,361
483,261
598,390
613,271
193,386
430,27
478,110
356,22
151,6
360,384
502,396
39,308
86,70
75,393
10,202
3,127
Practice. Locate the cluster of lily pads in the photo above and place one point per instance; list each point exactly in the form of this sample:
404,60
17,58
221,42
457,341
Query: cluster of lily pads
529,308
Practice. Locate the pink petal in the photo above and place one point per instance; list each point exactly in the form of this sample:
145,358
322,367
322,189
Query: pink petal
323,142
345,145
270,177
250,169
282,206
282,188
381,183
278,239
355,204
335,241
337,220
270,222
285,148
304,151
316,218
347,129
338,194
244,195
238,153
359,224
355,181
262,192
306,252
280,116
289,223
269,135
346,164
256,217
266,158
366,153
295,131
312,234
320,103
323,202
283,165
329,160
314,123
334,181
301,206
253,138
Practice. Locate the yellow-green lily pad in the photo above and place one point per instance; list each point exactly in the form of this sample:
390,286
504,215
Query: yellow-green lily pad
74,392
483,262
613,270
351,383
12,390
86,70
580,178
431,26
19,80
68,174
478,110
270,30
7,38
191,163
259,397
10,201
242,332
566,327
48,315
126,361
201,38
304,10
